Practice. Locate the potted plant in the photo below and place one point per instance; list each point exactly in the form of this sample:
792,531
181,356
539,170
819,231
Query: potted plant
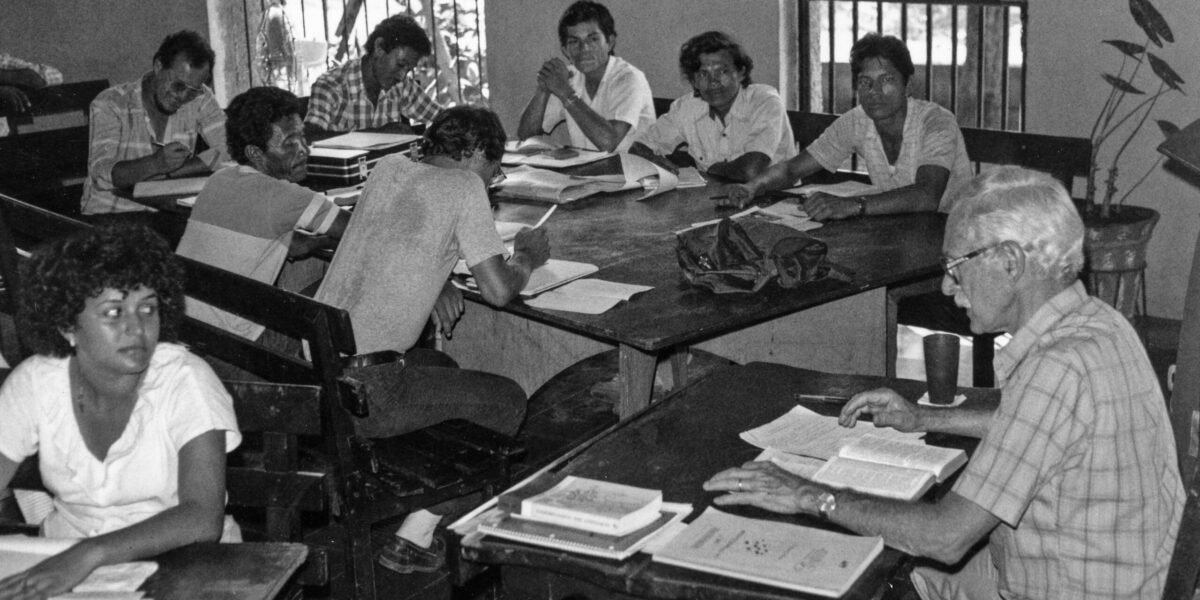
1117,234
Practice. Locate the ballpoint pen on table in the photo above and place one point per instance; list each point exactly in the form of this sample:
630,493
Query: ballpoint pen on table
542,221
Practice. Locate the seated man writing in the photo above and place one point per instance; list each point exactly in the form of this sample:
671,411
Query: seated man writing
245,218
378,88
147,128
1074,482
732,128
912,149
602,99
415,220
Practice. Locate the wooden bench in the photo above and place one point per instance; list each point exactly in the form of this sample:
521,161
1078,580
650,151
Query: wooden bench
365,481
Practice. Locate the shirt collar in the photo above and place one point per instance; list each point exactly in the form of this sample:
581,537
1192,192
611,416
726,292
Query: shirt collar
1026,338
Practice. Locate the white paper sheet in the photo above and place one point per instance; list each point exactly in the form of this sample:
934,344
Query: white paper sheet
802,431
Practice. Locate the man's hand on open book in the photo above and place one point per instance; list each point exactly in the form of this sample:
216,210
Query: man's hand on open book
886,407
767,486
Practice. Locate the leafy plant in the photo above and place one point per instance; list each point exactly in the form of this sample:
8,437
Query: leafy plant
1112,120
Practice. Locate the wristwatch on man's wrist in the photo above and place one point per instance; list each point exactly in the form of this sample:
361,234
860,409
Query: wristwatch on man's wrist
826,504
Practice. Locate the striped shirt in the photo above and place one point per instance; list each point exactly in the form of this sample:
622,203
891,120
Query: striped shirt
931,138
243,222
120,130
48,73
339,101
1079,461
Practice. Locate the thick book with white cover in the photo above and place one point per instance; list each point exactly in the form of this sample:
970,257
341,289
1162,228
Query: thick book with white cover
889,468
585,504
769,552
549,535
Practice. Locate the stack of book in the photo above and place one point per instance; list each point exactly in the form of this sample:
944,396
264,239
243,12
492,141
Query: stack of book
592,517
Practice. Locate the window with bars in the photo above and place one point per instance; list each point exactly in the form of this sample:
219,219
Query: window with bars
288,43
969,54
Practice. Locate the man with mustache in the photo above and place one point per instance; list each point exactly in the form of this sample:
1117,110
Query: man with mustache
245,218
147,129
732,128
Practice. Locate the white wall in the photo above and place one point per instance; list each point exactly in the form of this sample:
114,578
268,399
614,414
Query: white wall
95,39
1066,58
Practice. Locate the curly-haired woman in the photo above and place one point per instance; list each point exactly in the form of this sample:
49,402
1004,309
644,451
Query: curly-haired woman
130,429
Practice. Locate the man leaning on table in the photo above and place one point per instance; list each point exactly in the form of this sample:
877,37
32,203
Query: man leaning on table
601,99
1074,481
377,89
245,218
147,128
415,220
912,149
732,128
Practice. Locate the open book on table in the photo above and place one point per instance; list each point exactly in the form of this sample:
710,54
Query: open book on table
540,151
889,468
557,188
789,556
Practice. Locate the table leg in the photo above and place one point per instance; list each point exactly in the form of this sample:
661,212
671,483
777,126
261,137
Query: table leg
636,375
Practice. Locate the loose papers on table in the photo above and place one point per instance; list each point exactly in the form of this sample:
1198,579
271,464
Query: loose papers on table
802,431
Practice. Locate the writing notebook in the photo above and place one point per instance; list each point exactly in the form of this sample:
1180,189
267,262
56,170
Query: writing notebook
789,556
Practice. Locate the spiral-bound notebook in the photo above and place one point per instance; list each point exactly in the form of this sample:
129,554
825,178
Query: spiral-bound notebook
507,526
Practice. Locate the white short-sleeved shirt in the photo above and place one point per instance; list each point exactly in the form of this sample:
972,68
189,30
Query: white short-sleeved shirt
180,399
931,137
757,122
623,95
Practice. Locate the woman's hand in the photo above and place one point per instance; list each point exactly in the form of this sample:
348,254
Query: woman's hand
766,486
53,576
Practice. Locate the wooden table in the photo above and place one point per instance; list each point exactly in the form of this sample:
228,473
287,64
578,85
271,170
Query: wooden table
217,571
828,325
675,446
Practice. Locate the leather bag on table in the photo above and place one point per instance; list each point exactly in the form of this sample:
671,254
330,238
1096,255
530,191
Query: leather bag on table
732,263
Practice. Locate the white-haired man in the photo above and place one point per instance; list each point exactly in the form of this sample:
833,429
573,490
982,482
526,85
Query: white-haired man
1074,481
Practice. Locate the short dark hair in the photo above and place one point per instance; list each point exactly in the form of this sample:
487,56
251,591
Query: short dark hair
460,130
583,11
62,275
194,49
711,42
250,116
887,47
399,30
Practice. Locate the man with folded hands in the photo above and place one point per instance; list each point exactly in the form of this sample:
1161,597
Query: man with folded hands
414,221
1074,486
245,219
601,99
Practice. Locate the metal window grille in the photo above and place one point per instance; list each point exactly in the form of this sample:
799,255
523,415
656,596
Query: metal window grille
456,71
969,55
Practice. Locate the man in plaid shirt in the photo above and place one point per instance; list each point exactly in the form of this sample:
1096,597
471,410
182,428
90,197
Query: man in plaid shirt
376,89
1074,483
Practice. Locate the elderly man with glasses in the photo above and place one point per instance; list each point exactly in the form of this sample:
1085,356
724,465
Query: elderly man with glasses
147,128
1074,483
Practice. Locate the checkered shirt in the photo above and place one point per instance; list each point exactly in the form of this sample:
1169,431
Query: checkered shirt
1079,461
339,101
51,75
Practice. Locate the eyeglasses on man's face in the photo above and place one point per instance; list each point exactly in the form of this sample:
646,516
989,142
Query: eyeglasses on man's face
950,265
